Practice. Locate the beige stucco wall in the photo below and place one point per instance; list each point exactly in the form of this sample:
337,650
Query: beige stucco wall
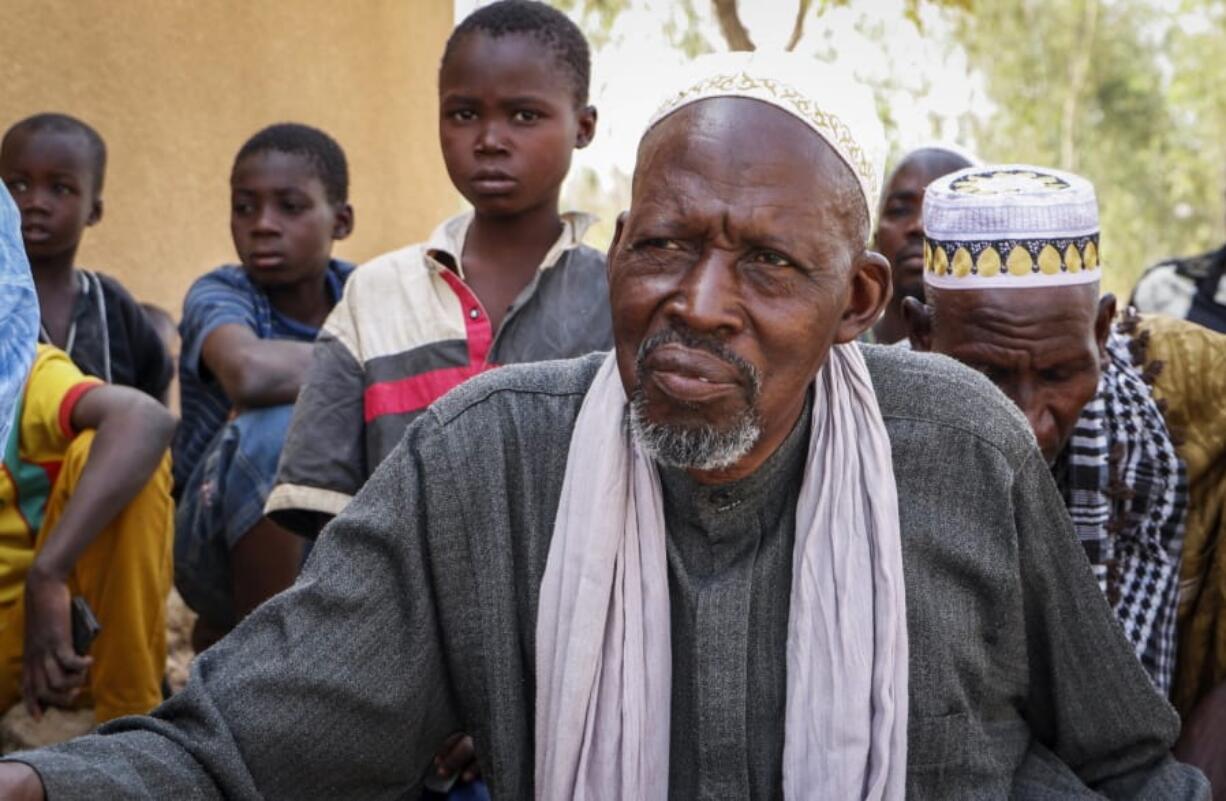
176,86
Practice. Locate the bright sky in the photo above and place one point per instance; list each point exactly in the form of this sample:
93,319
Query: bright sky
922,79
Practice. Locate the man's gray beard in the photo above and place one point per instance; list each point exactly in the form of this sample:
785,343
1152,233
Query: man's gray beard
694,448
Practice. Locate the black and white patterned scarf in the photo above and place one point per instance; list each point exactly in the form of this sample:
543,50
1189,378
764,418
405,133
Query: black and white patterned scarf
1126,490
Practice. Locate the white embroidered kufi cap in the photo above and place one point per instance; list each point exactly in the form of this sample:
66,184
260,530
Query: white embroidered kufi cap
1010,226
840,110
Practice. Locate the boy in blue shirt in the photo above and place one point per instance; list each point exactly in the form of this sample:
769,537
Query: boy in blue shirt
247,332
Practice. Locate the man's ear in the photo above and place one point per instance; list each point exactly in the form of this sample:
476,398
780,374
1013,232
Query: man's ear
343,226
869,292
1102,323
587,127
614,243
95,212
918,317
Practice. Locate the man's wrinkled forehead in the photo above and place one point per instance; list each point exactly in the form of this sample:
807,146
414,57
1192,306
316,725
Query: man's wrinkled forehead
734,139
1037,313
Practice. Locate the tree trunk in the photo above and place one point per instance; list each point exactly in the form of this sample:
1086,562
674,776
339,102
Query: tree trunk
731,25
798,28
1079,69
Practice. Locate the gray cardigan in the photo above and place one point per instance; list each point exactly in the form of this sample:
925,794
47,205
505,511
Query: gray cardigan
415,617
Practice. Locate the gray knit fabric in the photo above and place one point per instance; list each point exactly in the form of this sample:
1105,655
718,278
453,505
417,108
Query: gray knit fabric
415,617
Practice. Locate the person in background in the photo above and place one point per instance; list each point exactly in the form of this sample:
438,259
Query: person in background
54,166
1192,288
1128,413
18,313
509,281
85,510
247,331
900,229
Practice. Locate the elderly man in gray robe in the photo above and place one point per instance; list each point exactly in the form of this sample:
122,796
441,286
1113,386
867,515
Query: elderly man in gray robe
677,571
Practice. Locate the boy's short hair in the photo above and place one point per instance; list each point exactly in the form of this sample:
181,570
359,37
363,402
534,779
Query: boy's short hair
312,144
63,123
547,25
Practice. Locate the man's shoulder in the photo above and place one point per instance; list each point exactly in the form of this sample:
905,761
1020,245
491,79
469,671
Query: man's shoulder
926,398
519,388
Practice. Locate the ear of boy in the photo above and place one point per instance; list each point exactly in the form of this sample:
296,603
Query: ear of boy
585,130
342,227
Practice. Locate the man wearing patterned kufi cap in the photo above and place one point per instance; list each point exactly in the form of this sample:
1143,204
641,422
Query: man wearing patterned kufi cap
676,570
1012,270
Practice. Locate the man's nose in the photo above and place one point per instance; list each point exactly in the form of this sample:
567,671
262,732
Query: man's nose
707,299
1043,424
914,226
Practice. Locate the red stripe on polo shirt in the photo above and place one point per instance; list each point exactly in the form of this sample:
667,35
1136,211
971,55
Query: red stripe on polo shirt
416,392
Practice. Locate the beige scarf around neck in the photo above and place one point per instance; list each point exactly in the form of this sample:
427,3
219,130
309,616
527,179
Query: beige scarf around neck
603,653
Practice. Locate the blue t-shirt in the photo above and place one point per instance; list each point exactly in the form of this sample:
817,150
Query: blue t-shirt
223,297
18,312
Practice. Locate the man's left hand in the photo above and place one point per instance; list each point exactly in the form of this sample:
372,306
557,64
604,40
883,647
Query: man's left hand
53,673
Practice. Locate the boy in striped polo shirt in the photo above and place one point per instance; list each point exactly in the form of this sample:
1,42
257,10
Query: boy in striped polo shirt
509,281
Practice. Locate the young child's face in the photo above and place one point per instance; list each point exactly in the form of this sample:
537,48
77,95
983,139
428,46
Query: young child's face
281,219
508,122
51,177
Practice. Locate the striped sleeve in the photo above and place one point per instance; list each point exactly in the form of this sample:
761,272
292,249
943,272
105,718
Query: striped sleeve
213,301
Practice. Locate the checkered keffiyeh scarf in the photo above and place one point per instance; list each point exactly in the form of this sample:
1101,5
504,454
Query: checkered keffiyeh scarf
1126,490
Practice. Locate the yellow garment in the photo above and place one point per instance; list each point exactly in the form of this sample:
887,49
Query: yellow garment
32,456
124,574
1192,387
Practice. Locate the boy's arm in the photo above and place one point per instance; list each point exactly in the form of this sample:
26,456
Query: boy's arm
337,688
132,433
255,372
1090,702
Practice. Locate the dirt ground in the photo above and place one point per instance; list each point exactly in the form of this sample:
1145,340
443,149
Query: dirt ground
179,622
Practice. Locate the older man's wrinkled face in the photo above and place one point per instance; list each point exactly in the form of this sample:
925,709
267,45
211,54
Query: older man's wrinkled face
1042,347
739,264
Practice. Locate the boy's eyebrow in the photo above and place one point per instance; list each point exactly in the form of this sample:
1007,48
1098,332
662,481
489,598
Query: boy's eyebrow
522,99
517,100
276,190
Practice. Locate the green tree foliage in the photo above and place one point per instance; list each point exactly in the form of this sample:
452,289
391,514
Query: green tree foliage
1126,93
1130,93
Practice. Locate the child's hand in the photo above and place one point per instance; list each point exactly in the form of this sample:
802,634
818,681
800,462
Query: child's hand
52,672
457,756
